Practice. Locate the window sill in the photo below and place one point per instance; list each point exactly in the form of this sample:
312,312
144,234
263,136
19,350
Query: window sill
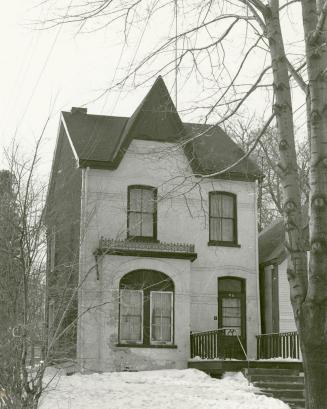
171,346
223,244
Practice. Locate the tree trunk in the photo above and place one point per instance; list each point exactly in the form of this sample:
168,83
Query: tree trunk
295,242
315,369
308,289
313,325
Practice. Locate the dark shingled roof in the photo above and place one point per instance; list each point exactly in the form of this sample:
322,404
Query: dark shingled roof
210,149
271,242
101,141
95,137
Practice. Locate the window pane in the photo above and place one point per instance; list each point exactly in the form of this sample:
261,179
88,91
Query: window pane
227,206
229,285
135,224
215,229
231,303
215,205
227,229
131,310
147,200
135,200
231,314
147,225
161,325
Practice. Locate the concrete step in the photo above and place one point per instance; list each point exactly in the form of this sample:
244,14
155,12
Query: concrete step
284,384
279,385
295,403
276,378
271,371
285,393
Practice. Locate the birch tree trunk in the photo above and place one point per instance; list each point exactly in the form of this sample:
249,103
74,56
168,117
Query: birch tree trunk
308,288
313,322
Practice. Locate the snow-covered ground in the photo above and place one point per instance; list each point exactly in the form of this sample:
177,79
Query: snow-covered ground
166,389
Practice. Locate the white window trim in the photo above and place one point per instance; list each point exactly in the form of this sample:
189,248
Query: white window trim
152,342
121,341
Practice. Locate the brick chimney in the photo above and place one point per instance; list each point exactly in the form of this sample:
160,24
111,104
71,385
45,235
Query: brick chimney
79,110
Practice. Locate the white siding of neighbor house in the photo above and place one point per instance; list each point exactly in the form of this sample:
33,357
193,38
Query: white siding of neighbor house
286,318
181,219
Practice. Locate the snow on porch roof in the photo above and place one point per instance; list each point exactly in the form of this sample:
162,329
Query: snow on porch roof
100,141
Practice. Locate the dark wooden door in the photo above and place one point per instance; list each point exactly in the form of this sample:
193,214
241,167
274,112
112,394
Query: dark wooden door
232,316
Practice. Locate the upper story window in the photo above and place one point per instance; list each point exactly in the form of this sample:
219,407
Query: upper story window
222,219
142,212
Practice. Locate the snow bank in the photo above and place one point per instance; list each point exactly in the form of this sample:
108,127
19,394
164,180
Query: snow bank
165,389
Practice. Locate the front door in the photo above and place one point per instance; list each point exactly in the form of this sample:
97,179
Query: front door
232,317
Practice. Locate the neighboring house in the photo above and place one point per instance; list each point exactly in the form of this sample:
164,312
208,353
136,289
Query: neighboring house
157,250
276,309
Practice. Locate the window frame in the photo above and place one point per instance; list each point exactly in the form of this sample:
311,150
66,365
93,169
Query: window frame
227,243
154,213
242,294
125,341
146,309
154,342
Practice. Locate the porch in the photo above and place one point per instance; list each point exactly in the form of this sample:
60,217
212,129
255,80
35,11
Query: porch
223,350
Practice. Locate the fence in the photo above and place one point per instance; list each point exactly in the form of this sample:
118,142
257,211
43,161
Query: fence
221,343
278,345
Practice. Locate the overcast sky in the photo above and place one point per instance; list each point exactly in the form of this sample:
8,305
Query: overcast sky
46,71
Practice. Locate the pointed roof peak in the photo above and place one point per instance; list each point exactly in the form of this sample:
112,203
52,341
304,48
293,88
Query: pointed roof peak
158,98
155,118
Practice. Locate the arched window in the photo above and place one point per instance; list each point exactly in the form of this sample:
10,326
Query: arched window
142,212
222,218
146,308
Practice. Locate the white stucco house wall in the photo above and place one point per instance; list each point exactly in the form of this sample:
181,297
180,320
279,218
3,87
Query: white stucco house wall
163,250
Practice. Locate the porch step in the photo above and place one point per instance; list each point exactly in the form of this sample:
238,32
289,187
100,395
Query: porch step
279,385
284,384
276,378
295,403
273,371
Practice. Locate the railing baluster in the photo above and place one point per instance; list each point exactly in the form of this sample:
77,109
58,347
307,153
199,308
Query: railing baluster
276,345
215,344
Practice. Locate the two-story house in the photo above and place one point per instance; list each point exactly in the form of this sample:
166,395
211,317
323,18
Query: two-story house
153,247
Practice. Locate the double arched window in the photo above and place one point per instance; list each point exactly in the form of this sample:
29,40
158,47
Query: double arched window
146,308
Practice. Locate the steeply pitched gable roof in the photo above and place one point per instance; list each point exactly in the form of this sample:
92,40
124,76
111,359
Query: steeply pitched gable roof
101,141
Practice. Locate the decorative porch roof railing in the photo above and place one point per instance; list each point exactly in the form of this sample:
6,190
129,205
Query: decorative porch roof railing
146,248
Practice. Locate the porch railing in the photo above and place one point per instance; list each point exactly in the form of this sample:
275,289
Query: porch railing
278,345
220,343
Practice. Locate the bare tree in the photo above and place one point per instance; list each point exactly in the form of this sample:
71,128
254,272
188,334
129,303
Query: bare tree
270,195
22,254
204,49
25,347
